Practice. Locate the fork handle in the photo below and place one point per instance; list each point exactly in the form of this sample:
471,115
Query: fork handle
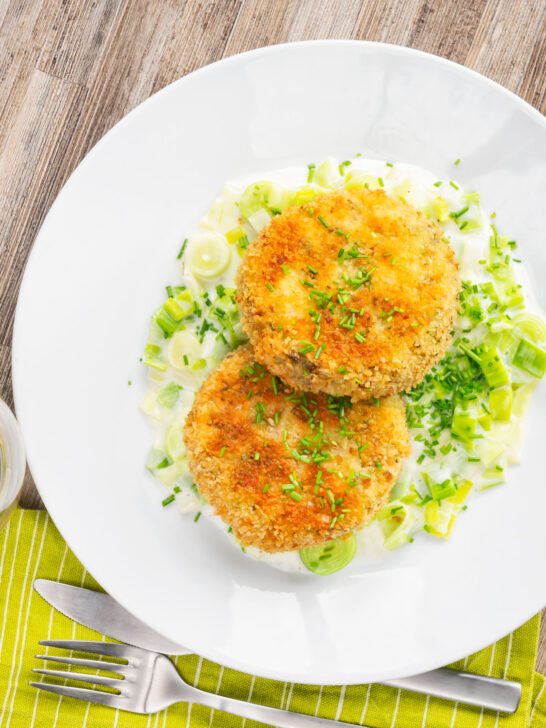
263,713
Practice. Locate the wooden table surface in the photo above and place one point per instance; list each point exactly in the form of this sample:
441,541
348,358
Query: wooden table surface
70,69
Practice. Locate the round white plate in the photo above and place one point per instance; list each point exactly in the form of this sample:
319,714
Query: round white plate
98,269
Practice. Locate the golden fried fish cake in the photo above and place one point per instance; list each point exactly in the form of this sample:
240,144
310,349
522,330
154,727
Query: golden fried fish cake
285,469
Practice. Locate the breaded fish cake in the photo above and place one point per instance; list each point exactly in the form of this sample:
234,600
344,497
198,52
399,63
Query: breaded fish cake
354,293
287,470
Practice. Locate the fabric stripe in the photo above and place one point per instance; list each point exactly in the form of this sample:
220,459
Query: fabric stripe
197,672
536,703
489,675
396,708
365,708
318,700
452,724
21,606
424,721
4,542
41,677
505,671
10,582
218,684
29,602
340,703
289,697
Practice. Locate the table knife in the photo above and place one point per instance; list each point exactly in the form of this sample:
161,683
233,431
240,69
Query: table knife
102,613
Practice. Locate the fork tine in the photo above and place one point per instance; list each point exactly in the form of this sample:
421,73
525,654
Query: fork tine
93,664
110,682
91,696
111,649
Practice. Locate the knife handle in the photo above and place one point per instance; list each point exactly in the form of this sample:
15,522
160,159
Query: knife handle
464,687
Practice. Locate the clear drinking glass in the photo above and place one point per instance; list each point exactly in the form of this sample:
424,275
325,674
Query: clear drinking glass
12,463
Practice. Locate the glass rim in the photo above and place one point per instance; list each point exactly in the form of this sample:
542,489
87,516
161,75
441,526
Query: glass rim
12,454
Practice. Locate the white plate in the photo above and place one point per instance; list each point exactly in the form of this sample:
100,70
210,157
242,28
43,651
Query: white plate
98,269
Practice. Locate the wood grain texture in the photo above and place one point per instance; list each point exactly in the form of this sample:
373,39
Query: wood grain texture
70,69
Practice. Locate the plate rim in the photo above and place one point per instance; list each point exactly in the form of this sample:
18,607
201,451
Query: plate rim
17,337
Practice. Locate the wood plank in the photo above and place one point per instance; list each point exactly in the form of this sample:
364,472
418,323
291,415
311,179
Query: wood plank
447,28
541,655
199,36
388,21
504,42
23,25
33,167
124,74
77,36
262,23
533,84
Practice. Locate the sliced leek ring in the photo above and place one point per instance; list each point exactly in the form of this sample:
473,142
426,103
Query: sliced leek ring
208,256
329,557
183,351
255,197
531,327
174,444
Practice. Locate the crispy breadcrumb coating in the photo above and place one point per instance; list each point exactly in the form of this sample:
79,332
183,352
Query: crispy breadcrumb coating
352,294
288,470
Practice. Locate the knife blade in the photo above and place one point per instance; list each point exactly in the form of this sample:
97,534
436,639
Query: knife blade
102,613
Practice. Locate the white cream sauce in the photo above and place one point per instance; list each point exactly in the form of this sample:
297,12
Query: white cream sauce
420,187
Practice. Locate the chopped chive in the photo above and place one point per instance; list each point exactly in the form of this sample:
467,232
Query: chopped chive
222,451
455,187
266,487
182,249
311,173
323,221
167,500
319,351
380,180
306,348
270,286
295,496
197,517
457,215
456,162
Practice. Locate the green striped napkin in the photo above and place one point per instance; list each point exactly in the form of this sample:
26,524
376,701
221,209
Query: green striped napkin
31,547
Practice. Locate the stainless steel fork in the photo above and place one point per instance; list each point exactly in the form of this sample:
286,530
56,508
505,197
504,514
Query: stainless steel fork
150,682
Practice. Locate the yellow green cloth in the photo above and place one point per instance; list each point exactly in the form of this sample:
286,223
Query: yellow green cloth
31,547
